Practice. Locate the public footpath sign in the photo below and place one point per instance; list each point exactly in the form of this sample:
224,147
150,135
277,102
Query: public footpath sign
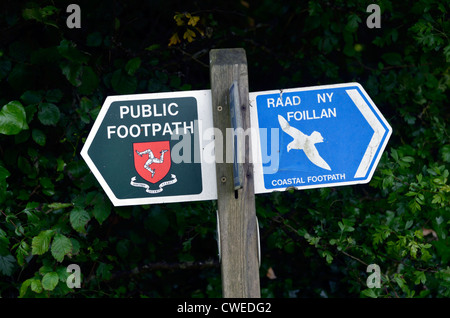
148,148
315,137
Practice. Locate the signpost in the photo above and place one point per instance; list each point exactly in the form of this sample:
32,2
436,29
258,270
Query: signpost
170,147
316,137
239,242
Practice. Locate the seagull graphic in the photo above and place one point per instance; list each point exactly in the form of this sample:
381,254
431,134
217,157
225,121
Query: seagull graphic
304,142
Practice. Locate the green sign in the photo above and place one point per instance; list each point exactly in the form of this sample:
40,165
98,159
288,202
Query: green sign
147,148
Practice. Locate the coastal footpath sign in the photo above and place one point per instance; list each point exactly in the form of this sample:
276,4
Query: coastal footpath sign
315,137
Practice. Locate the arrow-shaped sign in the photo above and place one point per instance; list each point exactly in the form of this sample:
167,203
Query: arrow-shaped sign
316,137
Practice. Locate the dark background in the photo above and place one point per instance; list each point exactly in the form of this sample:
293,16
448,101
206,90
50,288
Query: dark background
315,243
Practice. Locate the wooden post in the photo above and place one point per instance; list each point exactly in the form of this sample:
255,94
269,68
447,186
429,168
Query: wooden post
239,242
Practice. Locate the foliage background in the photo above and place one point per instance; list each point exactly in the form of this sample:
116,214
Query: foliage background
315,243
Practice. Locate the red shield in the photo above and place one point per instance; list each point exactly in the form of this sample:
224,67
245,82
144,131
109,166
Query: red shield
152,160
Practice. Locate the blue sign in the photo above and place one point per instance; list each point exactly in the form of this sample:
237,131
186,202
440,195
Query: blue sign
317,137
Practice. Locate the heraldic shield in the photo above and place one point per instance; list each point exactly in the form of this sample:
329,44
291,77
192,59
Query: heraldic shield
152,160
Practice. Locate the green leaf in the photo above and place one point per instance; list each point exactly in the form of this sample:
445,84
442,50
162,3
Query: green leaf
89,81
22,252
25,166
47,185
63,274
77,169
39,137
39,14
45,269
60,165
32,97
352,23
445,151
61,246
36,285
32,14
420,277
50,280
73,72
48,114
102,209
58,205
133,65
7,264
75,246
24,287
394,154
346,225
68,50
12,118
123,83
407,159
30,110
78,219
370,292
400,281
41,242
408,224
447,53
104,271
4,173
328,256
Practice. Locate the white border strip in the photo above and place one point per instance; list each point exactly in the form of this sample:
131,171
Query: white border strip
377,134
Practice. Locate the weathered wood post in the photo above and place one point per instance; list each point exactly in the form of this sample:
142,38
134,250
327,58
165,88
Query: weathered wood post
239,240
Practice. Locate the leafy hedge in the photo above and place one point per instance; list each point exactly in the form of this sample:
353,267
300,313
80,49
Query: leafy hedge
315,243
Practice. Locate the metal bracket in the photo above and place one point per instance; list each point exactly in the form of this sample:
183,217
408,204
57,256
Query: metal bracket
257,237
218,235
236,124
259,242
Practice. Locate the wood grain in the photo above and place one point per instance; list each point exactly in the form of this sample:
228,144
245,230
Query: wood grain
236,210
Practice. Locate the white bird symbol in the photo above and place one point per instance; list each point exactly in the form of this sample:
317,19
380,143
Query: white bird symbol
304,142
